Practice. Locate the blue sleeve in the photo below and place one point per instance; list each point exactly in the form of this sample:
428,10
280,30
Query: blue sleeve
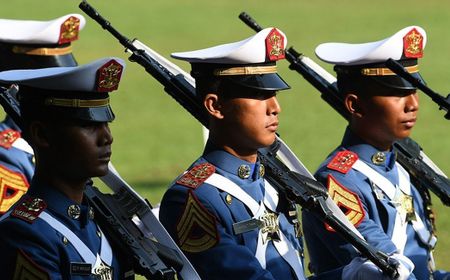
35,242
226,259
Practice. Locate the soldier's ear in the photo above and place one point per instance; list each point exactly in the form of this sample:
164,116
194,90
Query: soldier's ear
213,105
39,134
353,104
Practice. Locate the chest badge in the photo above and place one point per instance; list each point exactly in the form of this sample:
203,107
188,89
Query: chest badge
103,271
270,227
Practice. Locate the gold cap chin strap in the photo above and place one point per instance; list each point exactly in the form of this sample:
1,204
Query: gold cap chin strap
245,70
76,103
42,51
386,71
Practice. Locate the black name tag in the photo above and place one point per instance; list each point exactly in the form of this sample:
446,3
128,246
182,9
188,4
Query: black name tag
80,268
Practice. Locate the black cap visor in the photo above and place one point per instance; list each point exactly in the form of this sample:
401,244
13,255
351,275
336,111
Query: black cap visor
271,82
397,82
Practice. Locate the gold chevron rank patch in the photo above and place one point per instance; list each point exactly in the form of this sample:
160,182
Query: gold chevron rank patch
346,200
12,186
196,229
26,269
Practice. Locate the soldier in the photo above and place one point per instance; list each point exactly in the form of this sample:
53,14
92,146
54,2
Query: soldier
362,175
51,233
222,213
26,44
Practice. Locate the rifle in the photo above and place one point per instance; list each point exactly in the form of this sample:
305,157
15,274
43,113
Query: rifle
127,219
425,175
291,178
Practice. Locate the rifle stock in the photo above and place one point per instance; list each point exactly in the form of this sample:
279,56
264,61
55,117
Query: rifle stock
300,188
424,173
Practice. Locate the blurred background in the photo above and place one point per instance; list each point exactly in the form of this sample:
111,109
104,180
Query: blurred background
155,139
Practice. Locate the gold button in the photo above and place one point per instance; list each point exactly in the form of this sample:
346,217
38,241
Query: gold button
229,199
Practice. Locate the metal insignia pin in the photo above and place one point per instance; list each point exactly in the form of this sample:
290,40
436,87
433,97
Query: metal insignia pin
74,211
262,170
378,158
91,213
244,171
65,240
229,199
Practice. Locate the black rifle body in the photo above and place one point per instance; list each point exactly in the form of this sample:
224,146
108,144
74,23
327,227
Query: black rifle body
407,150
115,213
309,194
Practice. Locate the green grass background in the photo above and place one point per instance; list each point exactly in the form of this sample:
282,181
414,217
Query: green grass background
155,139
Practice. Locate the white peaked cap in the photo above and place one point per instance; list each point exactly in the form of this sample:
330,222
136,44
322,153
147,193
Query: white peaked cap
85,78
37,32
395,47
248,51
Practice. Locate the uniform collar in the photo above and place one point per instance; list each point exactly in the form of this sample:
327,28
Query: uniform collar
59,203
367,152
232,164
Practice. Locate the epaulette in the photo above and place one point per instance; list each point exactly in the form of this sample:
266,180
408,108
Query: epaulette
12,186
343,161
197,175
196,229
29,209
347,200
8,137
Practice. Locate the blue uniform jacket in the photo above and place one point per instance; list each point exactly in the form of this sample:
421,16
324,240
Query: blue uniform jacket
219,253
16,166
37,247
328,251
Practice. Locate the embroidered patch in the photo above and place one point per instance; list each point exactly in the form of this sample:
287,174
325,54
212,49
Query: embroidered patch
29,209
275,45
27,269
12,186
196,229
413,44
343,161
108,76
346,200
8,137
197,175
69,30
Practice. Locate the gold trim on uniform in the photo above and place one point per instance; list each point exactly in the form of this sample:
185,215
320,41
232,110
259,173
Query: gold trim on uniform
42,51
196,218
10,180
76,103
387,71
245,70
345,199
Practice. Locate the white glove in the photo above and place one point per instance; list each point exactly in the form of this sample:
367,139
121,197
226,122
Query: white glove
405,266
363,269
